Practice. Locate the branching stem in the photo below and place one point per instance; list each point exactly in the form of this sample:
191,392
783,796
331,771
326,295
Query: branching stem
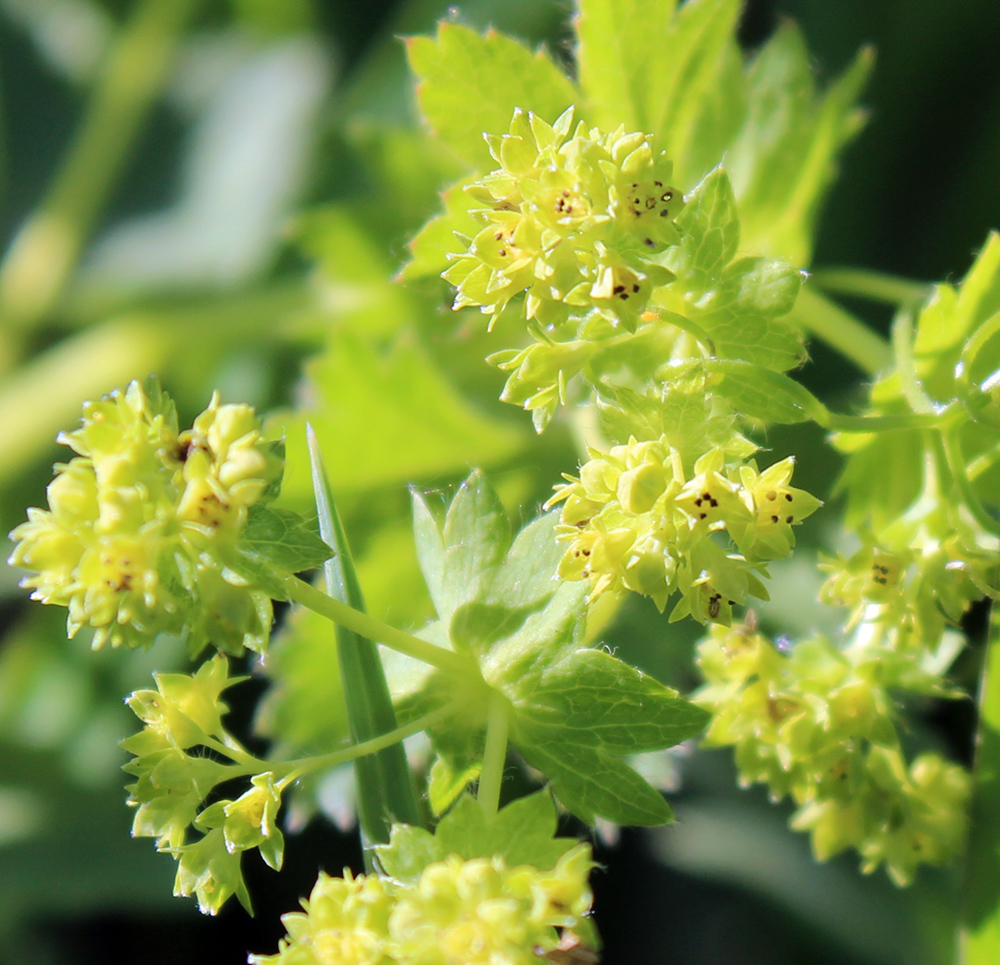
371,629
876,286
841,331
306,765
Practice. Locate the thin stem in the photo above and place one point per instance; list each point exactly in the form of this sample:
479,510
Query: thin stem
306,765
902,345
246,760
35,269
876,286
887,423
979,940
956,464
841,331
494,755
372,629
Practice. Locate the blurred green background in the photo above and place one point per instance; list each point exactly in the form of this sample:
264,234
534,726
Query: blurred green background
200,264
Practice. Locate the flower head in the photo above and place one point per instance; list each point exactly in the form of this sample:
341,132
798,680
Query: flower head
141,521
573,221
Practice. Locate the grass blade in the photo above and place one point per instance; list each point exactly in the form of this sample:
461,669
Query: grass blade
385,785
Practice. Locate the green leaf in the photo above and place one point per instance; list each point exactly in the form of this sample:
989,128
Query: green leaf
883,476
783,160
523,832
430,548
710,225
675,73
446,782
681,410
574,711
416,424
739,304
620,43
284,540
475,538
744,314
951,316
409,851
592,695
691,64
470,84
754,391
591,782
431,246
526,577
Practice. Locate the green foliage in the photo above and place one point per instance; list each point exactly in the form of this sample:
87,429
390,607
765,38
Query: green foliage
416,424
677,72
635,227
276,542
523,832
573,713
468,84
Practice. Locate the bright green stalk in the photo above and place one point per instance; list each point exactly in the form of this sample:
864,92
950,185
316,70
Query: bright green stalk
34,272
841,331
385,785
494,755
980,936
876,286
368,627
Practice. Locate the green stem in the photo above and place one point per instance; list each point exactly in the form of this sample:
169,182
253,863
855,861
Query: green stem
887,423
35,269
980,932
956,464
372,629
248,763
366,748
494,755
841,331
876,286
906,366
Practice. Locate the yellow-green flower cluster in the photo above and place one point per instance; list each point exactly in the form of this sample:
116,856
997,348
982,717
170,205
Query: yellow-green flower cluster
816,724
182,713
575,222
458,912
909,595
634,520
140,522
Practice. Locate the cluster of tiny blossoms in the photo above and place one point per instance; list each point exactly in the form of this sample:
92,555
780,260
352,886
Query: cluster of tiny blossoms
458,912
909,587
575,222
634,521
815,723
135,538
174,777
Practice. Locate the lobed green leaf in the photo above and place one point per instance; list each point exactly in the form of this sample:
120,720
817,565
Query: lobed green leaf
469,84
